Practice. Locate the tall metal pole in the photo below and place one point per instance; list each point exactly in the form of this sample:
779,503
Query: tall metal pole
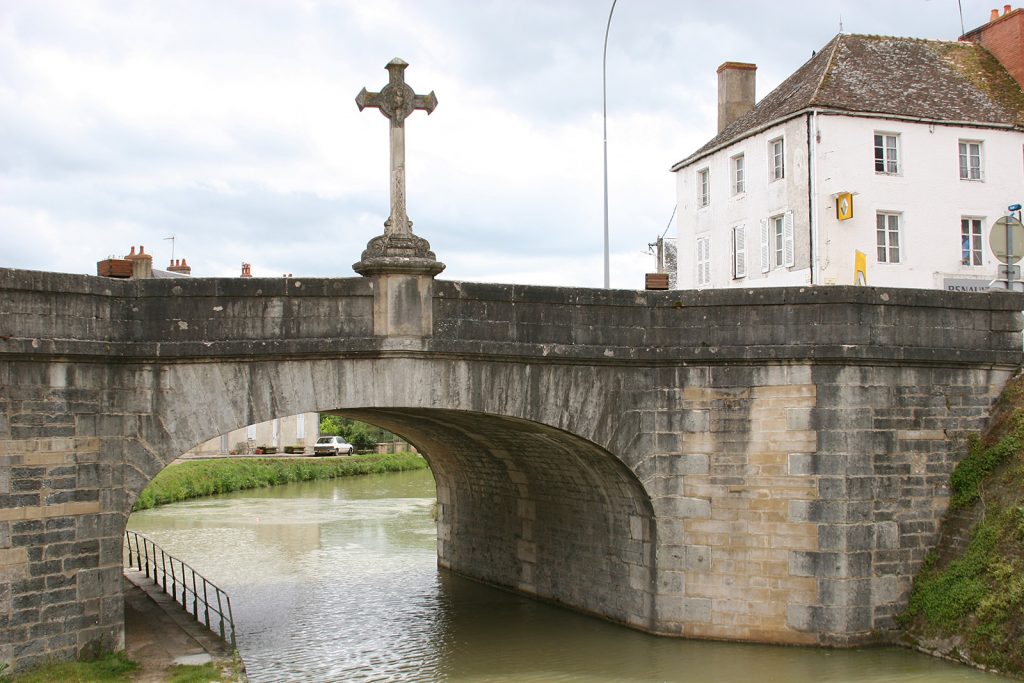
604,96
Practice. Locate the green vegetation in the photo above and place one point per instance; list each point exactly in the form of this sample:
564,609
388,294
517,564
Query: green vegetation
188,673
364,437
198,478
111,668
974,596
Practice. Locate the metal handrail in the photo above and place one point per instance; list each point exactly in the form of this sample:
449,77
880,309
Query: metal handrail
148,557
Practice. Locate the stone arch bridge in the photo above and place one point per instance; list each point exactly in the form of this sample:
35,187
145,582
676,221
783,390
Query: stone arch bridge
763,465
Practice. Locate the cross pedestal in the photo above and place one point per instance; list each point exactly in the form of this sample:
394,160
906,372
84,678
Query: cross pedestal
401,263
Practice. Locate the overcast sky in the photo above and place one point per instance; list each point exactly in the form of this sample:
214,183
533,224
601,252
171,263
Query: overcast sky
231,125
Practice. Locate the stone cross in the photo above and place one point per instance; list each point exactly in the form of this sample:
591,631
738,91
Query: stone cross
396,100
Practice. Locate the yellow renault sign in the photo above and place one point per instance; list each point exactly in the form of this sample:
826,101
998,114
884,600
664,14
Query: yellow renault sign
844,206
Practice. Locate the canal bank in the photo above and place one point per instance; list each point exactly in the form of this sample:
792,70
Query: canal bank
160,635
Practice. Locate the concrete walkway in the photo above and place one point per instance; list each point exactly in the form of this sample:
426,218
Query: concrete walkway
160,634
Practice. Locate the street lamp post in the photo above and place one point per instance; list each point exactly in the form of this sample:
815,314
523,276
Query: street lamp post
604,97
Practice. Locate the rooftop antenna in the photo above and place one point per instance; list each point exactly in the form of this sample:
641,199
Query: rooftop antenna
171,238
840,22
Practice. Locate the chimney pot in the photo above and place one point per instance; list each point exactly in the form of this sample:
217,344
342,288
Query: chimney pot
183,262
994,15
132,252
1007,9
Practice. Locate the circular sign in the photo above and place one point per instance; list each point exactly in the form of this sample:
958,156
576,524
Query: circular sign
997,239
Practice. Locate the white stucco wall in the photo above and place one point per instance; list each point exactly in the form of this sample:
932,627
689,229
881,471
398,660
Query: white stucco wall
288,435
763,197
927,193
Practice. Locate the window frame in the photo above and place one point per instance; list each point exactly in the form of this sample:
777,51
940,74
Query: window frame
778,243
972,254
777,159
777,239
737,174
885,256
964,158
703,187
893,165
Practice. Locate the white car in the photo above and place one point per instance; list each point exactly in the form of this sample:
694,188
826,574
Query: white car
332,445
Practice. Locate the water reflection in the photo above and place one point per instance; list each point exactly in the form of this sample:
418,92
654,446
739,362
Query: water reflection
337,581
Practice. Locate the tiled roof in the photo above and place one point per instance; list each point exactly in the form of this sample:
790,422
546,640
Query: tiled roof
929,79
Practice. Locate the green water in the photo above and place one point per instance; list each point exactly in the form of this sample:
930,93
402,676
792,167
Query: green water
337,581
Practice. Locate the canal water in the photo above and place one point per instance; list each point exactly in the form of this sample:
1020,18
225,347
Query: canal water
337,581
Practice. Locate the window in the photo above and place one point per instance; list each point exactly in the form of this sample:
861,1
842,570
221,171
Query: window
778,227
250,432
776,156
703,261
703,187
970,241
887,153
777,249
888,237
970,160
738,184
739,251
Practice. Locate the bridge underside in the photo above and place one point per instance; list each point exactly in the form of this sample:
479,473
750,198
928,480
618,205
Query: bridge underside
529,507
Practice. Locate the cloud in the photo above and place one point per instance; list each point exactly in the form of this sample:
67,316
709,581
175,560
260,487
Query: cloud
232,125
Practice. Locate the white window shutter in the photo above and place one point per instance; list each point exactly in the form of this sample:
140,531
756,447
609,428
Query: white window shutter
739,237
703,261
699,262
787,239
707,262
766,254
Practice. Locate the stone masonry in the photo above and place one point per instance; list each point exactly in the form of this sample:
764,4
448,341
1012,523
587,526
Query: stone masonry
765,465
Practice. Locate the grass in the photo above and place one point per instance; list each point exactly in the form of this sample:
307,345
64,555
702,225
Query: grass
111,668
975,597
189,673
199,478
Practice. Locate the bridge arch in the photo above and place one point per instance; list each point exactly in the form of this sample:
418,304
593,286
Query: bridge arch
532,495
793,443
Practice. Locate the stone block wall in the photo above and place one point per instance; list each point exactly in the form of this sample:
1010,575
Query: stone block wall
761,465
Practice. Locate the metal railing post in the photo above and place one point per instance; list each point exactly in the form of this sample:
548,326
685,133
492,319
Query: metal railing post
140,558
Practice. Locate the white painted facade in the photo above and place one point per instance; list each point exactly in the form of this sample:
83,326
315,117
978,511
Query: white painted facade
926,194
294,430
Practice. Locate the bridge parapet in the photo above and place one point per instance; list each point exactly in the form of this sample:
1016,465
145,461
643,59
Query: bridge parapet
219,317
763,465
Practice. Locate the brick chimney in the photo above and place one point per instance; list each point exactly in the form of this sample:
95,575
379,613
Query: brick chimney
246,270
142,263
1003,36
179,266
114,267
736,82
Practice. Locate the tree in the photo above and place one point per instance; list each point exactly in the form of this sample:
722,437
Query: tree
361,435
332,425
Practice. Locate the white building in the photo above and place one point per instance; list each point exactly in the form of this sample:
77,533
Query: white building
925,138
294,430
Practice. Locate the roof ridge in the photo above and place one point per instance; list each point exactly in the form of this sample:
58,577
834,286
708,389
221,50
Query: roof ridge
813,99
907,38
